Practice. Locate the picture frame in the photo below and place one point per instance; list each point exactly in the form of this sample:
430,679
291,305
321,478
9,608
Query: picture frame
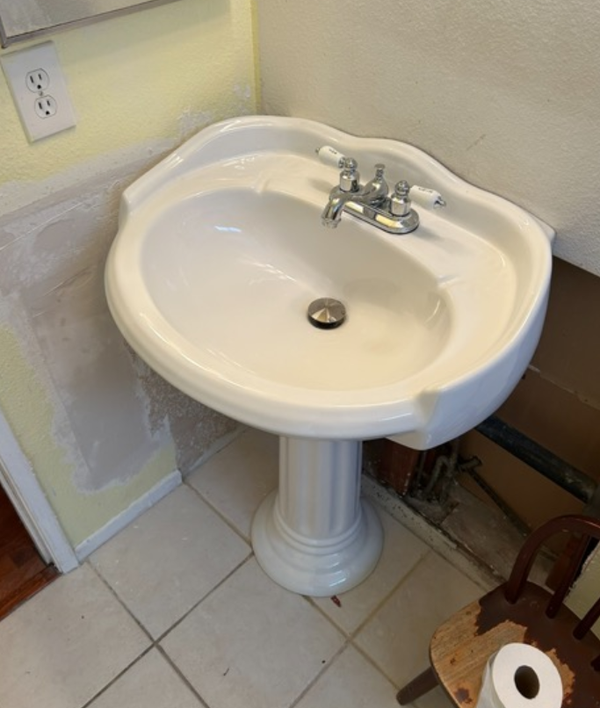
22,20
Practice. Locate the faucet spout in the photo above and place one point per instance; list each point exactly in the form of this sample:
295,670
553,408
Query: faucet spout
332,214
374,193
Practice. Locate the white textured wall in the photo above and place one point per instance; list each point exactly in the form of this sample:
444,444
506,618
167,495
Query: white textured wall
506,94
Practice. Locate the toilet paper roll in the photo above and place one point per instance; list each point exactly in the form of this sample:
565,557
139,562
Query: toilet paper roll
520,676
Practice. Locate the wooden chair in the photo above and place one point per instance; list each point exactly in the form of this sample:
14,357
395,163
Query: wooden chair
520,611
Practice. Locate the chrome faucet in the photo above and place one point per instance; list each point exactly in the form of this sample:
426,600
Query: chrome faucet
371,202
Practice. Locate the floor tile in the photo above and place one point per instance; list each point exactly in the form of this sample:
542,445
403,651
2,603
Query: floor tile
251,644
66,643
149,683
239,477
351,681
434,699
401,551
169,559
397,637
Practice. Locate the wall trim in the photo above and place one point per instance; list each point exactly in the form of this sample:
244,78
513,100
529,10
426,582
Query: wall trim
119,522
29,499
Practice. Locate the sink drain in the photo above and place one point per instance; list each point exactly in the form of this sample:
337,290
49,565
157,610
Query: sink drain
326,313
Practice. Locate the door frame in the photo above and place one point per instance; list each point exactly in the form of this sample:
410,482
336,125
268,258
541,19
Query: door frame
31,504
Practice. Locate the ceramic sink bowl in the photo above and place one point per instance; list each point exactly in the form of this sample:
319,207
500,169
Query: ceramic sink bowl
221,250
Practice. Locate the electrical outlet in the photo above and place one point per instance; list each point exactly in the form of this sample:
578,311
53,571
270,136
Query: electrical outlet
37,80
45,107
39,90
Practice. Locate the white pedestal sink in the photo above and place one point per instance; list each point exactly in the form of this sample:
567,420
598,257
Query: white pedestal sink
221,250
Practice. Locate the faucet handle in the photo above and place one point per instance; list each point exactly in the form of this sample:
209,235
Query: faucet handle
400,202
349,176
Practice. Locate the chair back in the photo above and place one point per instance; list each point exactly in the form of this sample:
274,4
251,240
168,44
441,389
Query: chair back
587,530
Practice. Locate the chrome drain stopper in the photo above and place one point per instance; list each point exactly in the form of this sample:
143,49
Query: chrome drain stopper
326,313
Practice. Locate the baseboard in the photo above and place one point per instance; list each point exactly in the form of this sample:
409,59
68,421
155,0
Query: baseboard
119,522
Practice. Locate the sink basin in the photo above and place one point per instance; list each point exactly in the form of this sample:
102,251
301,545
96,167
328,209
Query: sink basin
221,250
258,275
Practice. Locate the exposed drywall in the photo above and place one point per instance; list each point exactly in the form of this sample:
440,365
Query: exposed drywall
46,441
99,428
504,94
194,427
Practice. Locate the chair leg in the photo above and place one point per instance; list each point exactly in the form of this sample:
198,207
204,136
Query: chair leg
420,685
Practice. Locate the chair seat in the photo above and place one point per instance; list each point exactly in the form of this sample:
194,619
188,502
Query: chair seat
460,648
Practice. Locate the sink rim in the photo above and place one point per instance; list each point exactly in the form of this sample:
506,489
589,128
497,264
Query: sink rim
405,407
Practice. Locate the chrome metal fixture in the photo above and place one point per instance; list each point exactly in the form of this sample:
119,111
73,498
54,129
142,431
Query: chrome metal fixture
326,313
371,202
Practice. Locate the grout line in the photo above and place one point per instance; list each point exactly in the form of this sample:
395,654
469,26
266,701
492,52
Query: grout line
348,637
351,636
318,675
175,624
183,617
119,600
312,601
373,663
216,510
118,676
155,643
396,587
181,675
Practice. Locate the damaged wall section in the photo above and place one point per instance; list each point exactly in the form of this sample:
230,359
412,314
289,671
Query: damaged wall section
99,427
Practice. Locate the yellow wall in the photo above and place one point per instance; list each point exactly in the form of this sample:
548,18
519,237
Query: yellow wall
154,74
74,398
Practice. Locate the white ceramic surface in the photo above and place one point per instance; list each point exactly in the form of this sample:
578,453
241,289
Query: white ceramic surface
314,535
221,249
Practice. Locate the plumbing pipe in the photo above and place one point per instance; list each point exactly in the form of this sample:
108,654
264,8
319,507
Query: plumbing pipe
577,483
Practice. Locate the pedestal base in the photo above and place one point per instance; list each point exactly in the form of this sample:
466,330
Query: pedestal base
313,535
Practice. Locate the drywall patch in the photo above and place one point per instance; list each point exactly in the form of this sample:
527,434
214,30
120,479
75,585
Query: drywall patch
193,426
243,93
53,269
29,410
100,508
190,122
98,430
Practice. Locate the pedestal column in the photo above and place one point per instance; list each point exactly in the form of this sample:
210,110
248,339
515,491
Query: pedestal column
314,535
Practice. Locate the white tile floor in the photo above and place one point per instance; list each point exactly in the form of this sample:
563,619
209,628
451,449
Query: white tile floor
175,612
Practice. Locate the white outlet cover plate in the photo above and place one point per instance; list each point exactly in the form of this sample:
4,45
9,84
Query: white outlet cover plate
16,67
